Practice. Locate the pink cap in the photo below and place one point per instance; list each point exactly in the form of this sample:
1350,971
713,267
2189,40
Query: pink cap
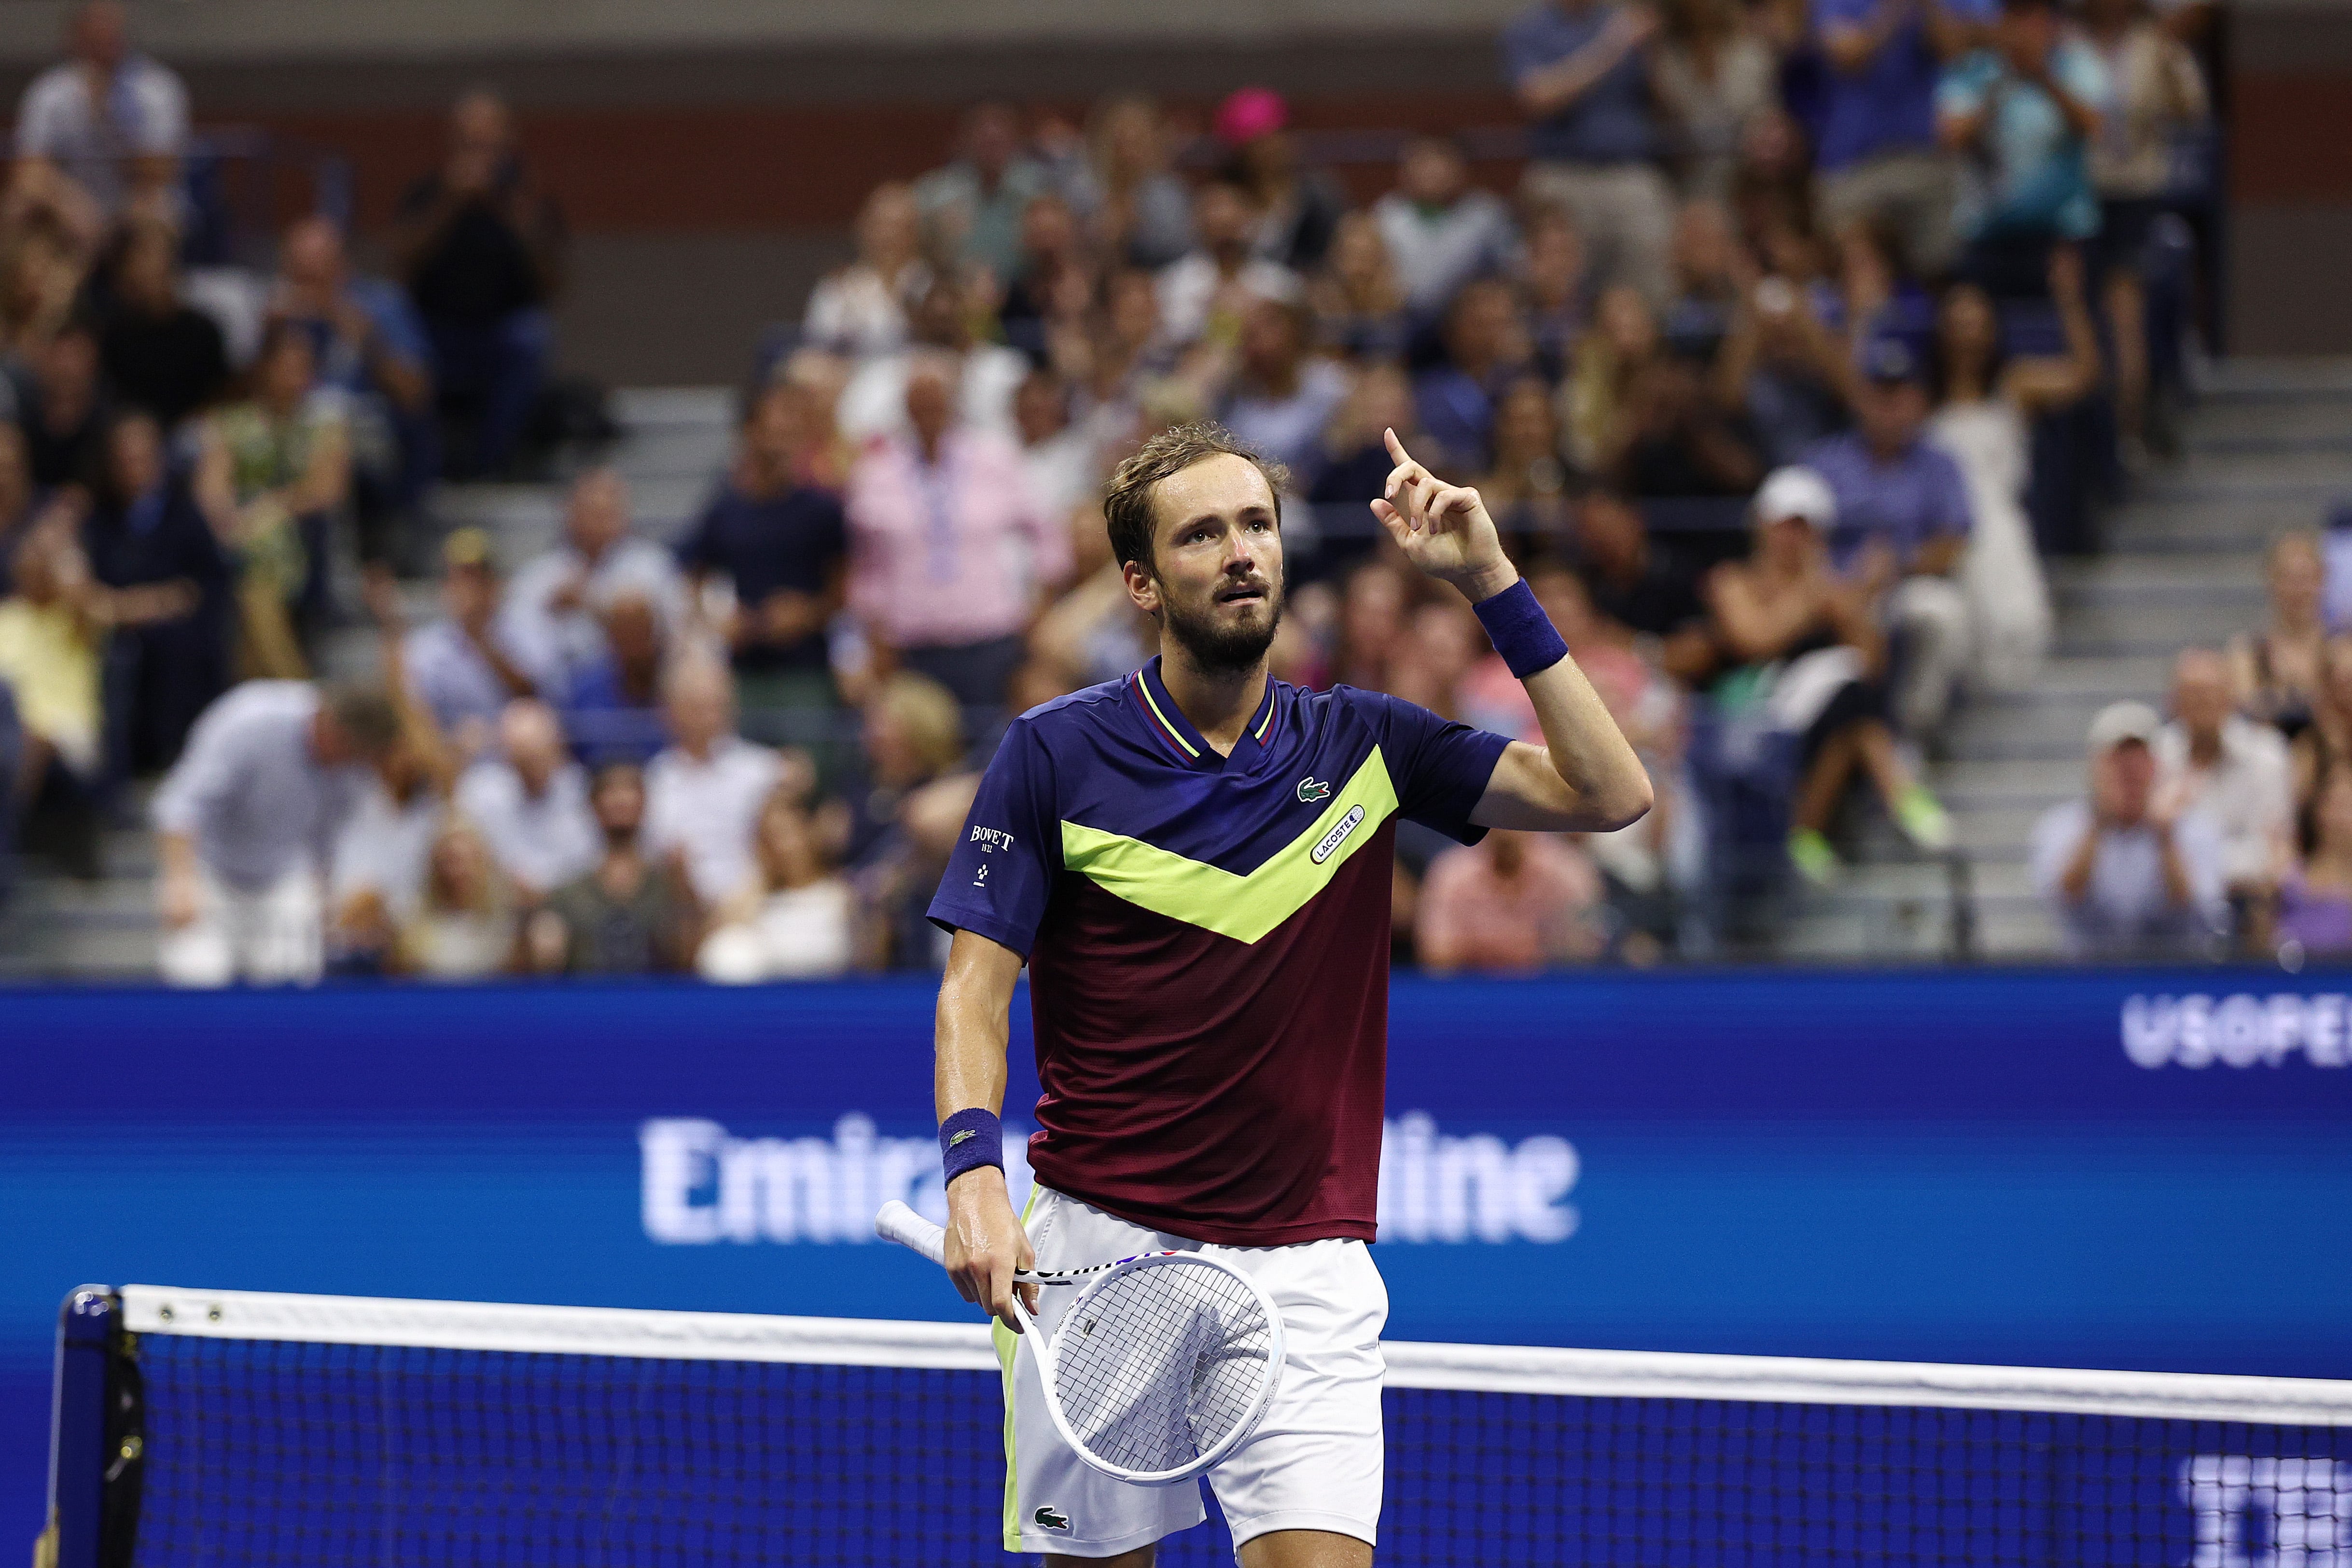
1250,113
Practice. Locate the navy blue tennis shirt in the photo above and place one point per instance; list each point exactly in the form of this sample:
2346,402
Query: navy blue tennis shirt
1208,943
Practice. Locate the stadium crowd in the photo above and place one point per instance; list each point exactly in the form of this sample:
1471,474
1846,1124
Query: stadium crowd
1802,337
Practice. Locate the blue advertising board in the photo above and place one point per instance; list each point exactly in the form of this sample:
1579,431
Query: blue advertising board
2134,1169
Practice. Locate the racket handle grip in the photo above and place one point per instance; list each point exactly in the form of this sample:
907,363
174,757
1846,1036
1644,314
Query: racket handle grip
899,1223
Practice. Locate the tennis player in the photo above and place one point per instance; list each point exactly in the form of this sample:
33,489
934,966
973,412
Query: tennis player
1195,861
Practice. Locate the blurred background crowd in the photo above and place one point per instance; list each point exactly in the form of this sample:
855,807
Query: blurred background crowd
1800,343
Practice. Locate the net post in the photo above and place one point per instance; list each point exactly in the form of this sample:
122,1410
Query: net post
88,1328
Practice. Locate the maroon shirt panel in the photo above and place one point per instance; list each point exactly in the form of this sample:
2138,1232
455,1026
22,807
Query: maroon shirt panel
1223,1090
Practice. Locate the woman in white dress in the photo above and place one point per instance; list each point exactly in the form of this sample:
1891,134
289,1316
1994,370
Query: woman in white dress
1986,401
795,920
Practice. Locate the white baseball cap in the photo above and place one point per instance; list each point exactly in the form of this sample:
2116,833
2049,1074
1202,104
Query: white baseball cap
2120,722
1796,492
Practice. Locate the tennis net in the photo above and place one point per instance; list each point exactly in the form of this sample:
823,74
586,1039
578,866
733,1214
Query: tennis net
213,1427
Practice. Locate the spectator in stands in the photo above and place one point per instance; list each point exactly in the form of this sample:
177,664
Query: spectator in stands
2022,114
145,529
631,915
1607,361
2324,743
1526,489
974,204
53,626
2127,872
1581,71
874,402
64,412
1283,396
1350,474
797,919
2314,914
1783,361
1802,644
273,469
613,711
1639,583
1903,518
1485,351
1045,309
783,547
111,123
1439,231
245,823
2158,95
1058,455
1204,293
912,737
1881,165
158,352
1137,212
1680,441
933,520
703,794
1515,903
861,309
480,247
464,926
18,511
1296,208
2276,672
2238,773
41,273
367,343
531,802
1552,290
1358,302
1712,76
552,604
1986,401
465,667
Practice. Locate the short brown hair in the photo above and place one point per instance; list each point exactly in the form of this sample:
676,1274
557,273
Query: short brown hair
1128,501
365,714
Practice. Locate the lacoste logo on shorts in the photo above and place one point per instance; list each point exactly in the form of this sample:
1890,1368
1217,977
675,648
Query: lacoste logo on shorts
1329,842
1313,789
1050,1517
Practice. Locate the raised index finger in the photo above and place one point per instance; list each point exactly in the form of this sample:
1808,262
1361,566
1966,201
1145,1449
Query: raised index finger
1396,447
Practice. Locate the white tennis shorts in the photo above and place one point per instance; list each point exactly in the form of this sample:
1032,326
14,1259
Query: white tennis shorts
1314,1462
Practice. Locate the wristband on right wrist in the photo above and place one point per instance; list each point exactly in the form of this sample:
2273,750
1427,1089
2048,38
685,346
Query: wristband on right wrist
970,1139
1522,633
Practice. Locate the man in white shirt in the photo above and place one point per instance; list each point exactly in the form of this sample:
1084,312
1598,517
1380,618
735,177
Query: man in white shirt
2128,872
1441,233
247,821
467,665
550,611
1216,283
2235,770
531,803
112,122
703,794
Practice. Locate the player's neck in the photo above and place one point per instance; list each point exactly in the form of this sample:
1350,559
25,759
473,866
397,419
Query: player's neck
1220,703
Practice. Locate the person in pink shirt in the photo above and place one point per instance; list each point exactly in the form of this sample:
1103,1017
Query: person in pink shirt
1516,901
950,551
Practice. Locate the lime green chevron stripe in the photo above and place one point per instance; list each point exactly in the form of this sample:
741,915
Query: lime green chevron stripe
1241,907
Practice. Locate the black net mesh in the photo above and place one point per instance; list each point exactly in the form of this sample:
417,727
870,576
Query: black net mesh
265,1452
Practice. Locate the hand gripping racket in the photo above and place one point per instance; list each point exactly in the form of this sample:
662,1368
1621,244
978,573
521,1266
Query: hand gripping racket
1162,1366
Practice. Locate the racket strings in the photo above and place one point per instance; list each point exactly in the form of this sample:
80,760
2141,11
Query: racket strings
1161,1364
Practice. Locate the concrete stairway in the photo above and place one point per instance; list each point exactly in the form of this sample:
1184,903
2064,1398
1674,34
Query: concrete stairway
2268,447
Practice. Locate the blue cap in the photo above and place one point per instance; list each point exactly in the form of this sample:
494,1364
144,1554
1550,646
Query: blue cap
1887,358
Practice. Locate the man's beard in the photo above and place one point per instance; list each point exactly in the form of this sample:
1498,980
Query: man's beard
1220,649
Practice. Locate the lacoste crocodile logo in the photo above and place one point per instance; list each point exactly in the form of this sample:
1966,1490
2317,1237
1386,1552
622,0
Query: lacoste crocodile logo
1311,789
1050,1518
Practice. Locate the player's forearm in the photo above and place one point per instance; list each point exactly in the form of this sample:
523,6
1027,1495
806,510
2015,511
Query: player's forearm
1605,780
975,994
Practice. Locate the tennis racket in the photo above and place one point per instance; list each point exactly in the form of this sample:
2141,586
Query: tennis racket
1162,1366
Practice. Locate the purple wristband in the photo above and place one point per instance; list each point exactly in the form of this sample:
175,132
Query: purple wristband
1520,630
971,1138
